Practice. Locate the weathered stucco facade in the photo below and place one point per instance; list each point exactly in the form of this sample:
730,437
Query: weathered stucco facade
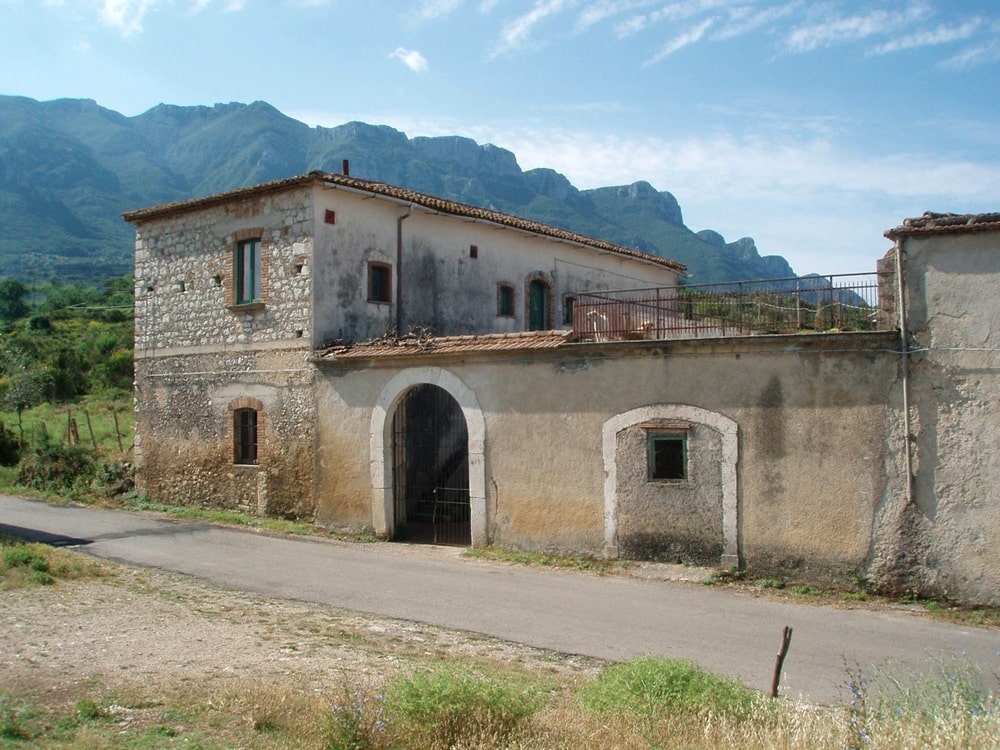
939,534
824,457
787,467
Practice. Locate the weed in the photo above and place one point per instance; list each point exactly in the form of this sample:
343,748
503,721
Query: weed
15,719
90,710
652,685
806,591
769,583
729,575
450,704
357,722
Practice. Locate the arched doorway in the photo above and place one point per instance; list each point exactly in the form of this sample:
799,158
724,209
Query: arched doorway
430,448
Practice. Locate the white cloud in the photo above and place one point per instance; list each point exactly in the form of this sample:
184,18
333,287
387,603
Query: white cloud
516,34
126,15
595,13
744,19
677,11
940,35
971,57
431,9
411,58
679,42
836,30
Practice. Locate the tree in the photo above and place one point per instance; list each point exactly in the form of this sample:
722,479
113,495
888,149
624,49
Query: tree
12,304
23,386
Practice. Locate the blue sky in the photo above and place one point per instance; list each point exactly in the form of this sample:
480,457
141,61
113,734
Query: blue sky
810,125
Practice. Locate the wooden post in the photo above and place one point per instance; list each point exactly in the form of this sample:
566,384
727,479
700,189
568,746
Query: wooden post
786,640
90,429
118,432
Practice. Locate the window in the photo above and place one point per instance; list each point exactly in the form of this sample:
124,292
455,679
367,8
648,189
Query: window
667,456
569,304
379,282
245,436
248,271
505,300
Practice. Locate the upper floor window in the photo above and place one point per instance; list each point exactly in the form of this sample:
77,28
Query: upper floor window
245,436
248,275
569,305
505,300
379,282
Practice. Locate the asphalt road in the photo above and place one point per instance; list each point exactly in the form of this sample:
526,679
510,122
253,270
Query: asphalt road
611,617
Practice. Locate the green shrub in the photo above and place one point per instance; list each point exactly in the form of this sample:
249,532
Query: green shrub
25,556
451,703
15,719
56,468
10,447
650,684
114,478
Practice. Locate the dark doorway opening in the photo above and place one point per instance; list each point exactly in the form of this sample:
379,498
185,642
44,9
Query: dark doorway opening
431,468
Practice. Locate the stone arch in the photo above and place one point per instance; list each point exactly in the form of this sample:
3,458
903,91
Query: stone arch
727,429
381,446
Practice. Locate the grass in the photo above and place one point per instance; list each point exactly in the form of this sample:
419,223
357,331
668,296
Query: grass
543,559
95,418
25,565
641,704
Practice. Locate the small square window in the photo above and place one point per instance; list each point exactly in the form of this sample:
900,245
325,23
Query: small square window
505,300
667,456
379,282
245,436
330,217
473,251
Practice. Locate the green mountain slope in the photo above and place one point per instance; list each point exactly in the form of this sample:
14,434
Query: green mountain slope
69,168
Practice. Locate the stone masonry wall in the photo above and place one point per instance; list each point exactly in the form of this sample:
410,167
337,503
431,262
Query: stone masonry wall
184,275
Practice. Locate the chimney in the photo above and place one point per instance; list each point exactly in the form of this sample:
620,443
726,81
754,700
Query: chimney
346,168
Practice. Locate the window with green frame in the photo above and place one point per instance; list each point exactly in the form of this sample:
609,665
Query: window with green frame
248,265
667,456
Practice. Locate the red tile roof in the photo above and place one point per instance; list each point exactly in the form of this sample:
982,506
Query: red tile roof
404,196
946,224
414,346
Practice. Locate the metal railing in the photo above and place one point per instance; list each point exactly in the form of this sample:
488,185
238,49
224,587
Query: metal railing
838,302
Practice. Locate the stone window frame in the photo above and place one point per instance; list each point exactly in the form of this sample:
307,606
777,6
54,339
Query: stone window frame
236,242
233,436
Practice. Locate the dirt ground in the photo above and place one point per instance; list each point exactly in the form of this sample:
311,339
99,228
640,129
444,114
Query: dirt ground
140,628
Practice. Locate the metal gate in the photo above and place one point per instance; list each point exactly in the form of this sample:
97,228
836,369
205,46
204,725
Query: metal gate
431,468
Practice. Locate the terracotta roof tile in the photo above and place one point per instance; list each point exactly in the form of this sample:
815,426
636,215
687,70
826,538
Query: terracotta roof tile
413,346
946,223
402,195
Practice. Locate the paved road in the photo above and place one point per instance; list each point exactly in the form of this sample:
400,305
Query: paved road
606,617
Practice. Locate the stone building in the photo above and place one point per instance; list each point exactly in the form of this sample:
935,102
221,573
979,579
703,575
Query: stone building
364,356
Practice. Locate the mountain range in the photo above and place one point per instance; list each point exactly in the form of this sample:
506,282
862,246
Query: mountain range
69,168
